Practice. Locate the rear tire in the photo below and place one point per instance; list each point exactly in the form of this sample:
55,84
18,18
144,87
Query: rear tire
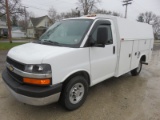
137,70
74,93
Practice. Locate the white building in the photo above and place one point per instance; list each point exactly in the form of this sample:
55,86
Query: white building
37,26
3,28
18,33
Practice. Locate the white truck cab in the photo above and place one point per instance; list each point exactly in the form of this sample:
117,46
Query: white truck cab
75,54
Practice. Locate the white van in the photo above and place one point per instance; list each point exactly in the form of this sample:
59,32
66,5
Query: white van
75,54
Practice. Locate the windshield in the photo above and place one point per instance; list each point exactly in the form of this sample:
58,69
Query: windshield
67,32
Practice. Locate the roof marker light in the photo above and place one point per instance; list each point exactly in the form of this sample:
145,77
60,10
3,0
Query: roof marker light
92,15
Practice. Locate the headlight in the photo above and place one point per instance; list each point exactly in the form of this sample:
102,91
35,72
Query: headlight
39,68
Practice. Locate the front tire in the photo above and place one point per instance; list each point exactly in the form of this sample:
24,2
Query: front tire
137,70
74,93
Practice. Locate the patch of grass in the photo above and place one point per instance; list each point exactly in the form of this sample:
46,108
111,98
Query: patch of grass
7,46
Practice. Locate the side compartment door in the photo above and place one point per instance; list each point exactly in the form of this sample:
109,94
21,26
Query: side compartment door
125,57
102,59
135,59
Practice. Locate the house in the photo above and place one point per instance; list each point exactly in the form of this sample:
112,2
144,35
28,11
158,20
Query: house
37,26
17,32
3,27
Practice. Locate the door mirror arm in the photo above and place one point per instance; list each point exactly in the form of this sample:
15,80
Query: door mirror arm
90,41
99,45
92,44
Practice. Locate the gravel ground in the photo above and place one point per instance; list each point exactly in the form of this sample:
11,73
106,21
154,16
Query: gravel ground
3,54
123,98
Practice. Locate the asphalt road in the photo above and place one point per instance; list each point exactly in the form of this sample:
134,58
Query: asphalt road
123,98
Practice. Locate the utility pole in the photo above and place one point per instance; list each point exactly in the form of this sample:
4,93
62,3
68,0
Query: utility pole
126,3
78,12
25,18
8,22
85,7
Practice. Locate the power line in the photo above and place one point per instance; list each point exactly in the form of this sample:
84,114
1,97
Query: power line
126,3
142,8
133,8
39,4
35,7
49,5
61,1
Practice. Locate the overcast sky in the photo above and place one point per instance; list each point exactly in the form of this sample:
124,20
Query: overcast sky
40,7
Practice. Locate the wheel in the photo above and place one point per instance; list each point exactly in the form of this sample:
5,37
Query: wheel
74,93
137,70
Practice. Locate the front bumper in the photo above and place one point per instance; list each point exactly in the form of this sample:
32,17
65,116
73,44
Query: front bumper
33,95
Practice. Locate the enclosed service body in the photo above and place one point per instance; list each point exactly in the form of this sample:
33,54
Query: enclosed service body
75,54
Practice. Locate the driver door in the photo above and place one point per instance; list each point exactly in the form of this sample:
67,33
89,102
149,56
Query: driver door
102,59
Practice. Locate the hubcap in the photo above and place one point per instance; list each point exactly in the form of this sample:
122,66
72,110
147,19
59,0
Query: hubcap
76,93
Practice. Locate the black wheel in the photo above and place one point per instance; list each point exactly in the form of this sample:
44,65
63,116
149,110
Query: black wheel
137,70
74,93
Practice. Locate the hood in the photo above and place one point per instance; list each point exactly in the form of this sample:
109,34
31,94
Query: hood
32,53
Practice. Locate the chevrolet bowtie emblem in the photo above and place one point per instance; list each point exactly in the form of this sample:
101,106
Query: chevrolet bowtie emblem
11,68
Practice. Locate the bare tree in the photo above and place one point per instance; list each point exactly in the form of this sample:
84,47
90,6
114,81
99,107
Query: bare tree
52,13
14,7
117,14
156,27
151,18
102,11
87,6
140,17
21,21
64,15
70,14
14,20
57,17
146,17
30,14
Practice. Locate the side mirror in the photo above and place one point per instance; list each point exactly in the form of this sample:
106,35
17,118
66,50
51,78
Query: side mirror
102,36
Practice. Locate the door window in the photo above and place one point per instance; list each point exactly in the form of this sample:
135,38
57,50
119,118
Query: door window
109,39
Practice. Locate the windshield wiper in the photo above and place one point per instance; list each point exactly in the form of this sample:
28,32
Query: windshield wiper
51,42
36,41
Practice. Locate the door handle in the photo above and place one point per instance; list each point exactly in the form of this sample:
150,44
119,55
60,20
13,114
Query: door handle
114,49
135,53
129,55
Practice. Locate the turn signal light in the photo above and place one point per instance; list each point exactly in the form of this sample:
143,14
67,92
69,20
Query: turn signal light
37,81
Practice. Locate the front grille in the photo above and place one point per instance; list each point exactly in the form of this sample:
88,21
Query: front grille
16,77
16,64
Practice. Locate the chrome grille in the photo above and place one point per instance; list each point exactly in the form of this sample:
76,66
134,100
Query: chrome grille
16,64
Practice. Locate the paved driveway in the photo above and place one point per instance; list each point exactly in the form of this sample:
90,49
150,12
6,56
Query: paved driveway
124,98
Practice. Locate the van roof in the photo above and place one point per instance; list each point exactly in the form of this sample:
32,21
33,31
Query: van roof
94,16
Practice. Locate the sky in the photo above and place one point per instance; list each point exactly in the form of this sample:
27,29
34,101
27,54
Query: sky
41,7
